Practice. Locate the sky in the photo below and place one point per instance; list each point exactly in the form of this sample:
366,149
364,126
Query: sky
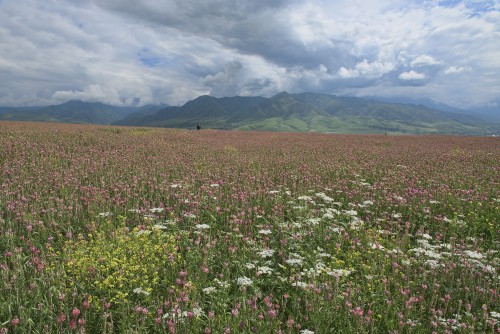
131,52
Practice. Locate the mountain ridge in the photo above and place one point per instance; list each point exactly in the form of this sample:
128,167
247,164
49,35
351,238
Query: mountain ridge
301,112
314,112
73,111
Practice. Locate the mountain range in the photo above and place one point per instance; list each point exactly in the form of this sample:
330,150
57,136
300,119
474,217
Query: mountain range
73,112
314,112
282,112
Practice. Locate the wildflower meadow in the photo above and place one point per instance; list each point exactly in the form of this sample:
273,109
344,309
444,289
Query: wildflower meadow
148,230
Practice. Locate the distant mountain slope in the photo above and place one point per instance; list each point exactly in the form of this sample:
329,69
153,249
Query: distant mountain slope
282,112
69,112
140,113
313,112
491,114
211,112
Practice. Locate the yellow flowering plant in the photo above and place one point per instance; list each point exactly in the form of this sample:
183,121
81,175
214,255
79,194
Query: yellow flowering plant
115,265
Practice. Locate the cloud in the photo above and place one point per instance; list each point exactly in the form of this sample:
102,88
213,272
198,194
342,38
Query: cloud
91,92
367,70
227,81
411,75
456,70
424,60
170,51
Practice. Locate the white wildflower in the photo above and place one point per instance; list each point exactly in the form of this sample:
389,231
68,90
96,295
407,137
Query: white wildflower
104,214
351,212
328,216
300,285
489,269
244,281
376,246
339,272
202,226
432,263
141,291
306,331
222,284
424,243
313,221
265,232
324,197
156,210
473,254
209,290
426,252
294,262
264,270
214,185
250,265
412,323
356,223
198,312
332,211
266,253
160,227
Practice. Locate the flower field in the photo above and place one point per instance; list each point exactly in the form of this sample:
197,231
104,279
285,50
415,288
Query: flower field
142,230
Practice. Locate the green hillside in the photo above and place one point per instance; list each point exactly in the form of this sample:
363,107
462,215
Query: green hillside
313,112
305,112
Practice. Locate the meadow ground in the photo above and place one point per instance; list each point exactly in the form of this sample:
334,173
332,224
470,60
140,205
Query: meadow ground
140,230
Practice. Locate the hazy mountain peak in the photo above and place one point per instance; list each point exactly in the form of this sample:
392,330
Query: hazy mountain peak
281,95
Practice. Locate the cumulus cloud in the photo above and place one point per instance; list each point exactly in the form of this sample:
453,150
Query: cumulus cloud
367,70
170,51
411,75
457,69
424,60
